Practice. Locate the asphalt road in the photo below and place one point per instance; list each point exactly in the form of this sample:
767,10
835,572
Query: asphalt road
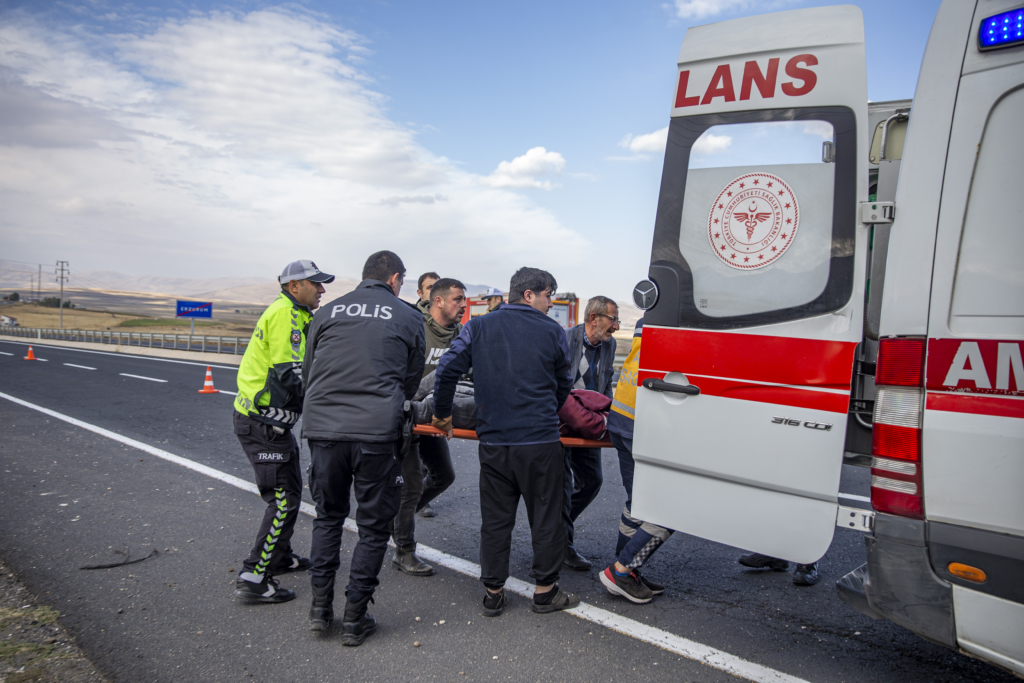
73,497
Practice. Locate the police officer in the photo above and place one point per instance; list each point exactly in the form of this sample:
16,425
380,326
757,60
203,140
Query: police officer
364,359
267,406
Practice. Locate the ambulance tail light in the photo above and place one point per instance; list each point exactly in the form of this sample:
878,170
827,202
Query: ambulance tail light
896,481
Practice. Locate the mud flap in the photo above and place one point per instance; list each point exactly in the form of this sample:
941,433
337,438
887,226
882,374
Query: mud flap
851,591
899,582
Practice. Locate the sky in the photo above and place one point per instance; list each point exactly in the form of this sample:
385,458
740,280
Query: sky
203,139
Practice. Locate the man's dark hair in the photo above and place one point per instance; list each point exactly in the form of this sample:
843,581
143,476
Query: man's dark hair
383,265
533,279
419,283
445,285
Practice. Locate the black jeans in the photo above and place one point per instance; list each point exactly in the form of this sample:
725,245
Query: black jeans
375,474
430,453
535,473
275,461
583,479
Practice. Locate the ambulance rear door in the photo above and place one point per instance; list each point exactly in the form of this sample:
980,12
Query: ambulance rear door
756,284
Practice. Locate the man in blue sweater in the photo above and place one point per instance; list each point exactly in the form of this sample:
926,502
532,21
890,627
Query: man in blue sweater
520,363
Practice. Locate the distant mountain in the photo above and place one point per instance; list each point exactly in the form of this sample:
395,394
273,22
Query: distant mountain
253,290
107,279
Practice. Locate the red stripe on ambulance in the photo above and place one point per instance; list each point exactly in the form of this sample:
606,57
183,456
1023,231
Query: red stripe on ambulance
749,357
975,404
762,393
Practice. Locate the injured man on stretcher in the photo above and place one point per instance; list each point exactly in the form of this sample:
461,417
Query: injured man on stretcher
584,415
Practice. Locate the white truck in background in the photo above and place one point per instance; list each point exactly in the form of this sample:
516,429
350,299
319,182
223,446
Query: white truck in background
836,281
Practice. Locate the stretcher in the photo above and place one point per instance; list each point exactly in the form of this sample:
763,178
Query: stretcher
427,430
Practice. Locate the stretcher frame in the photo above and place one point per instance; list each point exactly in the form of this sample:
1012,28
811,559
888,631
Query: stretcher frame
569,442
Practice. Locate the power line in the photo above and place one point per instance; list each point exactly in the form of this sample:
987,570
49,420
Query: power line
61,272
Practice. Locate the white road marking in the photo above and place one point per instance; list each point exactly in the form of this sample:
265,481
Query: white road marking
225,391
151,379
123,355
42,360
629,627
84,367
850,496
4,353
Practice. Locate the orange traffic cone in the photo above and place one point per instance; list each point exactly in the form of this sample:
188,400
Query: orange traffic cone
208,384
30,356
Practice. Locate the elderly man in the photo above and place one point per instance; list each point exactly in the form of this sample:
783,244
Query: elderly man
591,356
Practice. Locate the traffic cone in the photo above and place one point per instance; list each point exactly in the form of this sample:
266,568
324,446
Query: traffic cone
208,384
30,356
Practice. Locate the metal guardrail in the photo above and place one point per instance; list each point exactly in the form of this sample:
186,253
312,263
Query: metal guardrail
157,340
152,340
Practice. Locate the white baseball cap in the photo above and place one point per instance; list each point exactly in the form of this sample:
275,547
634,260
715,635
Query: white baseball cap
303,270
493,291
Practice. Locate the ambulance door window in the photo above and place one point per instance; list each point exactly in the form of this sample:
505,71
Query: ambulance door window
988,294
755,218
756,227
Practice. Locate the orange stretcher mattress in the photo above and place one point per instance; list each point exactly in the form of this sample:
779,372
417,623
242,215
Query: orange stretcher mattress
427,430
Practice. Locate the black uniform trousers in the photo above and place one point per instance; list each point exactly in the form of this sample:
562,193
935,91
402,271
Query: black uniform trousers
583,480
275,461
535,473
374,472
428,453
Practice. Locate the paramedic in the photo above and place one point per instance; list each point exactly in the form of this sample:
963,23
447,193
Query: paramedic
637,539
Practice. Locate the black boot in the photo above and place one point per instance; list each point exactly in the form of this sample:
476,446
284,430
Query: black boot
408,561
321,613
357,625
806,574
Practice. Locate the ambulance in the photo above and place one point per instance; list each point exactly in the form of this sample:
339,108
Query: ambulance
836,281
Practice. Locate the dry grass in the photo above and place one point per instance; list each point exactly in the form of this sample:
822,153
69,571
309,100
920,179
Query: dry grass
34,315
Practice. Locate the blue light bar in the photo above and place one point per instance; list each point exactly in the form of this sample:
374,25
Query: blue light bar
1002,30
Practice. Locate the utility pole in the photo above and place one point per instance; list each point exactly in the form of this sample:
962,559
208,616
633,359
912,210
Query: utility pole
61,273
39,281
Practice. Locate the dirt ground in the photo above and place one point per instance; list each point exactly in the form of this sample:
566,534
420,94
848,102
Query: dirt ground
34,315
33,646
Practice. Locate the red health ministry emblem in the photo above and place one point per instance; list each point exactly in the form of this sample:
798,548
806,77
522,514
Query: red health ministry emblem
753,221
296,337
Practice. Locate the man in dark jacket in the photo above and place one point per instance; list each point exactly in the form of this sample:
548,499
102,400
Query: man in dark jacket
441,315
591,354
519,358
364,359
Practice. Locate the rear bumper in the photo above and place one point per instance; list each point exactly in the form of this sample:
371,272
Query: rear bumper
897,582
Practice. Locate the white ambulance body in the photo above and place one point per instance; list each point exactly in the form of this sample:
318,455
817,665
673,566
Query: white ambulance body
803,306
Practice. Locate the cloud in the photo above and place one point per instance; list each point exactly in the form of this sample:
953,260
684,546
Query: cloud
711,144
650,142
523,171
228,142
818,128
698,9
414,199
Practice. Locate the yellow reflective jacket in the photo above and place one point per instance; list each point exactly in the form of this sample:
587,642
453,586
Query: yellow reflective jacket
623,411
270,376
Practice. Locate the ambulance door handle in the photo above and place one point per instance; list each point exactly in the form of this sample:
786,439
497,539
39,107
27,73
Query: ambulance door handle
662,385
